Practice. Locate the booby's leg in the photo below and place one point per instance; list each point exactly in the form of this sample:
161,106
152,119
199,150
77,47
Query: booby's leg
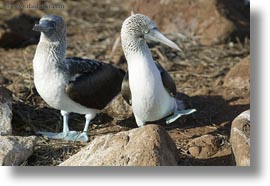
82,136
65,133
65,122
177,114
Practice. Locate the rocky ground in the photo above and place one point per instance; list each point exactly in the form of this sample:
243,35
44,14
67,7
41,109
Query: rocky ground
213,70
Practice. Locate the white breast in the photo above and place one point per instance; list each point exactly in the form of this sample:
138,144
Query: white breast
150,100
50,83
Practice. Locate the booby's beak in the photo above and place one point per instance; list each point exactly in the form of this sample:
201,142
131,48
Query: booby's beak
156,35
44,26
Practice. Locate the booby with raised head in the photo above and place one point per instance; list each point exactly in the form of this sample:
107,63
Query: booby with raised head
147,86
82,86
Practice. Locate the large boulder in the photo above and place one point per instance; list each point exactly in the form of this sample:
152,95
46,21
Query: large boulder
15,149
146,146
240,139
5,111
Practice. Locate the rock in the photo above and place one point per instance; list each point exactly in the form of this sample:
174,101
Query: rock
15,149
118,106
147,146
5,111
205,146
240,139
209,24
239,75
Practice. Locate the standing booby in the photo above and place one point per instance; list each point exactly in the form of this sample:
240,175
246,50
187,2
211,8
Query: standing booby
74,84
147,86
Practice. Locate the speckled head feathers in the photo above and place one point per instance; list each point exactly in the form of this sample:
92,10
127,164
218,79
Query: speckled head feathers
138,28
133,31
137,25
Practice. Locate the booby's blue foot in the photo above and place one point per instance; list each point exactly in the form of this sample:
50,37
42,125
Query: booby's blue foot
69,136
53,135
82,137
72,136
76,136
177,114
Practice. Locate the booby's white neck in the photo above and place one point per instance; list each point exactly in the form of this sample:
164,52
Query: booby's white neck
138,54
50,51
142,70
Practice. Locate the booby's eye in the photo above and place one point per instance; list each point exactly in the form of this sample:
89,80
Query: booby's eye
146,31
53,24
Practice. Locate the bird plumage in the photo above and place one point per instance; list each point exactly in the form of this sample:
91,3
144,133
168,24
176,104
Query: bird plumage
74,84
96,79
152,89
167,81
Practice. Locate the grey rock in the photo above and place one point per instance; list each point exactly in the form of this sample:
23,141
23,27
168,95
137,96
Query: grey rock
118,106
147,146
205,146
5,111
15,149
239,75
240,139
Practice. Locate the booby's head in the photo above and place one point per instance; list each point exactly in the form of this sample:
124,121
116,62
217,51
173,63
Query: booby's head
138,28
52,27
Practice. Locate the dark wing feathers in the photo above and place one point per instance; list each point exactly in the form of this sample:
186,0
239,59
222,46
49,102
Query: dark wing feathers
77,65
167,81
96,83
125,90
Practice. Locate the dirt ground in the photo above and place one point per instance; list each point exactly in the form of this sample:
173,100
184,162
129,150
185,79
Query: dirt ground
93,30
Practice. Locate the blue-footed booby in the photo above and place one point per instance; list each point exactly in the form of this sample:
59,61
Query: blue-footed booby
82,86
147,86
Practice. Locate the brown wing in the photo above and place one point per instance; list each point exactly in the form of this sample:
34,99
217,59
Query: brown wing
167,81
93,84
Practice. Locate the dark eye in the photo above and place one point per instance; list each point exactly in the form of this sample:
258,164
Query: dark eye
53,24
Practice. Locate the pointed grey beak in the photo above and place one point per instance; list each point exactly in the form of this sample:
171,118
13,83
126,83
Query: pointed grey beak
155,35
44,26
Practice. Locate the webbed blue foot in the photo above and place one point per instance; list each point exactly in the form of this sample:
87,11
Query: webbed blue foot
178,113
53,135
78,137
69,136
